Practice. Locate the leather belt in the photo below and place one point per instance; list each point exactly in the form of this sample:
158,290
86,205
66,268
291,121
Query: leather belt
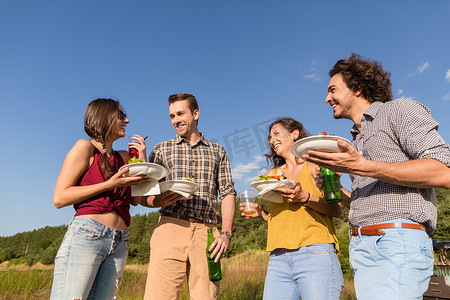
376,229
181,217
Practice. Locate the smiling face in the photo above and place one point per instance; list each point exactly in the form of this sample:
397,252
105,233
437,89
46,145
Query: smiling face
281,140
119,125
340,97
183,119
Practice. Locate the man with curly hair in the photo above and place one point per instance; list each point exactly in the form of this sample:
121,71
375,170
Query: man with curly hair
397,159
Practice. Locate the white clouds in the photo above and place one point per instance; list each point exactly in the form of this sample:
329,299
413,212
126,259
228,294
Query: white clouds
315,70
312,76
241,170
420,70
423,67
446,97
400,92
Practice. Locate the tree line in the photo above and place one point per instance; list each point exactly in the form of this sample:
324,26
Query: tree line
41,245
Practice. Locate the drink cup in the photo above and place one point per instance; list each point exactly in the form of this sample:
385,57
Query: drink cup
248,197
132,152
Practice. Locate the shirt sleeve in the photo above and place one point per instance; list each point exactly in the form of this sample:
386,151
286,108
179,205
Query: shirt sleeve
224,180
417,131
156,156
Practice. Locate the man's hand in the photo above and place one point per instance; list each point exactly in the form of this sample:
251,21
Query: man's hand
218,247
346,161
161,200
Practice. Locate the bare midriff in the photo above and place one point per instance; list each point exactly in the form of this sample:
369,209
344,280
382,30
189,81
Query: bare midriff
111,219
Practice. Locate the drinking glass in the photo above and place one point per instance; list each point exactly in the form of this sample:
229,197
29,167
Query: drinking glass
132,152
248,197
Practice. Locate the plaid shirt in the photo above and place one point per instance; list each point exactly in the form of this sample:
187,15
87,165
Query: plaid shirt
207,164
395,131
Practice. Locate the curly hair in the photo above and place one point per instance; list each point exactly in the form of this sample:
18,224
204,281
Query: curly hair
365,75
290,125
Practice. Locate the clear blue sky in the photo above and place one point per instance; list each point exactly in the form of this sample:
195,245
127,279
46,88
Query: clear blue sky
247,62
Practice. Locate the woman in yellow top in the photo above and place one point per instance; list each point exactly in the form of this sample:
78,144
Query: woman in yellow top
301,234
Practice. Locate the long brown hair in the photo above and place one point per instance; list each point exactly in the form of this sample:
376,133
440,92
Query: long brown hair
99,120
290,125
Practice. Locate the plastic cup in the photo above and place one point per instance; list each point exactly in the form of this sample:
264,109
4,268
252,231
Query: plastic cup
247,197
132,152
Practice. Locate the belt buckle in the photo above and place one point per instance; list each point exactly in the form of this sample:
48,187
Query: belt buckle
381,232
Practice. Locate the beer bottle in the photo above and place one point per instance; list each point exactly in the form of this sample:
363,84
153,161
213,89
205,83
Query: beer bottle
215,273
330,187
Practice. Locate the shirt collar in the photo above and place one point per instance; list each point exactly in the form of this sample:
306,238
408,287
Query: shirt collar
179,139
369,114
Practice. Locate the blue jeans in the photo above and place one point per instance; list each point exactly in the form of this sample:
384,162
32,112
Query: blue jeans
311,272
396,265
90,261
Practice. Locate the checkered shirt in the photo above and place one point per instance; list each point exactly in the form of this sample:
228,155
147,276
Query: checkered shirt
396,131
207,164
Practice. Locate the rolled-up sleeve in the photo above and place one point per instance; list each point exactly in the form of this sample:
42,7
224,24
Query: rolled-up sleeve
225,182
418,132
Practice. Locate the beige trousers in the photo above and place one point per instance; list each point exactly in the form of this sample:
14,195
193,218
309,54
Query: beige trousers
178,250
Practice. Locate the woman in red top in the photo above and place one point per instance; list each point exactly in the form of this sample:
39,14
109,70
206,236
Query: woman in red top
93,254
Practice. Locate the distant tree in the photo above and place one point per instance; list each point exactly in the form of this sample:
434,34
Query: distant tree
442,232
43,244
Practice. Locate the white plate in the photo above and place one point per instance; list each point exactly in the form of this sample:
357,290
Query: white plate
271,184
325,143
150,169
178,185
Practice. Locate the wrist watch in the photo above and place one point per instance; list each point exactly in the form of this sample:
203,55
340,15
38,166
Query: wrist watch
227,234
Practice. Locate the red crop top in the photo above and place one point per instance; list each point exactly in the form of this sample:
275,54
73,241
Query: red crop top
117,199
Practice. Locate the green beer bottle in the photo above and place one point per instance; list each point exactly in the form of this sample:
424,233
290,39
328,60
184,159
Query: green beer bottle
331,190
215,273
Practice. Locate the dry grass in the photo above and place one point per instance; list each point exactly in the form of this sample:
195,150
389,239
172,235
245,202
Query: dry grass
243,279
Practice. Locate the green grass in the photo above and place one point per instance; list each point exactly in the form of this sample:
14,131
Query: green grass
30,284
243,279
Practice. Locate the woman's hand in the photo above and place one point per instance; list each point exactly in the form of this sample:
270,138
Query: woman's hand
258,211
295,194
140,145
119,180
319,178
256,207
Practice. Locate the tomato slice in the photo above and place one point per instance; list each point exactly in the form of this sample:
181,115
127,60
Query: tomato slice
274,177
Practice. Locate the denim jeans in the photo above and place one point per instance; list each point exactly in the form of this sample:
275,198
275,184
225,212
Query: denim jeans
311,272
396,265
90,261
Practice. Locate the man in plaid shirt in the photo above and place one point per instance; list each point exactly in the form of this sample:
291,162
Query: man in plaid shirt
399,159
178,244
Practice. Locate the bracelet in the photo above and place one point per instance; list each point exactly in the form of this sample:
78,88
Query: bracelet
308,200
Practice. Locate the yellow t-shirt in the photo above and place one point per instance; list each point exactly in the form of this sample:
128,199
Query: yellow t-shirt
293,225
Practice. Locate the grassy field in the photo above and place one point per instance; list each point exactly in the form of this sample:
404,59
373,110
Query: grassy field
243,279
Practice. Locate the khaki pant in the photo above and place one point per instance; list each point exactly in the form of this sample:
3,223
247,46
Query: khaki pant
178,249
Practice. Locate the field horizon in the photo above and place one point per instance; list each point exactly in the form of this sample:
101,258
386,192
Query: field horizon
243,279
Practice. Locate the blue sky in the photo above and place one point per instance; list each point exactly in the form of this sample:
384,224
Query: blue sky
247,62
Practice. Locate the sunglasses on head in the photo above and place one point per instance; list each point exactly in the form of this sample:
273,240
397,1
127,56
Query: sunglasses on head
122,115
